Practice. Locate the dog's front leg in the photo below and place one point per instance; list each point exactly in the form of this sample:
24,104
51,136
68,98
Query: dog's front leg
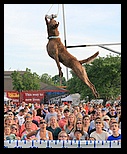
58,64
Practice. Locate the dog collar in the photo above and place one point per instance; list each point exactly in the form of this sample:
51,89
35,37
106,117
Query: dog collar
50,37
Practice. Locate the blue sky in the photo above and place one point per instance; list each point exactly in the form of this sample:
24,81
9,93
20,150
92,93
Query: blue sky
25,33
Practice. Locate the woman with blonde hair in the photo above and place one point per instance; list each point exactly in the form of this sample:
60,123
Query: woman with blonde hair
70,124
62,135
79,126
54,127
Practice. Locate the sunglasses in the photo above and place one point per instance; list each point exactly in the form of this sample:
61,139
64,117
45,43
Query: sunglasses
106,119
10,114
86,119
14,128
79,123
51,107
112,110
42,122
98,122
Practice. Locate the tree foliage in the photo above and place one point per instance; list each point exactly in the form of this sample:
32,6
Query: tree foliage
56,80
104,73
27,81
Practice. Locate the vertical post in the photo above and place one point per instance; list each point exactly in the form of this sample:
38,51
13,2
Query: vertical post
64,35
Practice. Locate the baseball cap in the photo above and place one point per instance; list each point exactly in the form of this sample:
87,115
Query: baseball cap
103,109
66,110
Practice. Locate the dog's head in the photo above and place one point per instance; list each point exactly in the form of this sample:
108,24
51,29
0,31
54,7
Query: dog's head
52,26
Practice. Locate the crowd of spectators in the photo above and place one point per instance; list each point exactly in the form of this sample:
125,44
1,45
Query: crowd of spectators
85,121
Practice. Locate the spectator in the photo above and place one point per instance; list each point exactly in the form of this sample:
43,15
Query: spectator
85,107
50,113
28,129
54,127
79,116
22,106
20,116
7,134
112,113
8,121
86,123
78,126
34,126
99,134
41,133
110,123
75,111
70,123
115,134
78,135
62,135
36,106
10,114
103,112
56,108
98,113
15,131
92,115
44,111
106,118
61,109
59,116
35,117
5,109
64,120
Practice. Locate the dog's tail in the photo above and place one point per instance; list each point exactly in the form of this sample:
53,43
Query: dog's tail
90,59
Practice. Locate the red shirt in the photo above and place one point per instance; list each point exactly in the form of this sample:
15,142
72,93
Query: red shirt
62,122
33,127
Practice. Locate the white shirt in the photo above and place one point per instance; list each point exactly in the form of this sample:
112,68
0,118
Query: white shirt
21,119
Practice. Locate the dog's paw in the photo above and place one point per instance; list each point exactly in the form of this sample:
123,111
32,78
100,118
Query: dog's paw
97,95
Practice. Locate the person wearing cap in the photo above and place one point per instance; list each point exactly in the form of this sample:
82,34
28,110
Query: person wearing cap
103,110
78,135
64,120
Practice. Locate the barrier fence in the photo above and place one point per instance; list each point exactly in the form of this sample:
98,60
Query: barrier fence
61,144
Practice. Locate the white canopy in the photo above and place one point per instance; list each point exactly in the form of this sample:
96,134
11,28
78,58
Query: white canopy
5,98
68,98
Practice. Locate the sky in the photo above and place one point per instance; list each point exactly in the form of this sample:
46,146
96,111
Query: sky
25,34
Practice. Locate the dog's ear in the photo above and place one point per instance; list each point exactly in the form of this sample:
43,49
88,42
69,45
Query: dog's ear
46,20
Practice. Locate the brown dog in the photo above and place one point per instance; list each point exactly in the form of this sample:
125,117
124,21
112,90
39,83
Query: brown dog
59,53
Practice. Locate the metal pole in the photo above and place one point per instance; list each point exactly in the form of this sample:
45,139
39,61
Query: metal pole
109,49
64,35
92,45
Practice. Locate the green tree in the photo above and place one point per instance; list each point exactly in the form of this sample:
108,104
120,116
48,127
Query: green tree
27,81
56,80
104,73
30,81
46,78
17,81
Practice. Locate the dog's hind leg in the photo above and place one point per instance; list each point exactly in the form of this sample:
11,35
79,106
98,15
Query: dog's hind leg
81,73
